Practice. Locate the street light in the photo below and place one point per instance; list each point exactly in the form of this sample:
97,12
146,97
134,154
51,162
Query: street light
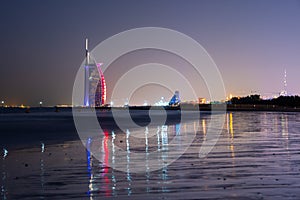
41,103
2,102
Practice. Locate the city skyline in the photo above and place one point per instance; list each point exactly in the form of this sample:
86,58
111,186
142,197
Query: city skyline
252,43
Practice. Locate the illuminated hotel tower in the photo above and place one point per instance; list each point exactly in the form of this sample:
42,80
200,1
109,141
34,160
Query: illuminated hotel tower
94,82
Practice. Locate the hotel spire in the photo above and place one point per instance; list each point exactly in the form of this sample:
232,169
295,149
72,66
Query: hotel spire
87,54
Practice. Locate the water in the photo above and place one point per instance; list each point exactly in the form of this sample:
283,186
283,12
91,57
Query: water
256,157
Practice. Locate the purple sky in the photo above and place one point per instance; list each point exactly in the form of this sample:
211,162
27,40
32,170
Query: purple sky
42,42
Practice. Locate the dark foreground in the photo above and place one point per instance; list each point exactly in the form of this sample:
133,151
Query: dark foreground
256,157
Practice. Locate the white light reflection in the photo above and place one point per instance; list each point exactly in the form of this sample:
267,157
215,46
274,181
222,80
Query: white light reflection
158,139
285,129
5,153
147,159
42,168
43,147
164,135
113,177
284,126
164,155
89,168
3,188
128,163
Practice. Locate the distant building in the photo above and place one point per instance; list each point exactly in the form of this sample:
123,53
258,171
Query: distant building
94,81
161,102
284,91
201,100
175,100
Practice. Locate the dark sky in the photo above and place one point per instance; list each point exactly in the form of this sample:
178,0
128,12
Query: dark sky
42,42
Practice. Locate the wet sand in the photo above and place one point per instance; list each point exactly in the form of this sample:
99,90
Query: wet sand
256,157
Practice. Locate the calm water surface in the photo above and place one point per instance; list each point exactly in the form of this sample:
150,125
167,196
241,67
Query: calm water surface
257,156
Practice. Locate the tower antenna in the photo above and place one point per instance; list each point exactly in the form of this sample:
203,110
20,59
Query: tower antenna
285,83
87,50
284,91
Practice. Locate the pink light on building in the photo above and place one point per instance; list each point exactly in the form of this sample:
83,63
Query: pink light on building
101,85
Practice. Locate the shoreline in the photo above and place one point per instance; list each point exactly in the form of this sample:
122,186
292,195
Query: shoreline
186,107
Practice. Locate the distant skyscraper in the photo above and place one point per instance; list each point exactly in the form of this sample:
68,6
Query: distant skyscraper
94,82
175,100
284,91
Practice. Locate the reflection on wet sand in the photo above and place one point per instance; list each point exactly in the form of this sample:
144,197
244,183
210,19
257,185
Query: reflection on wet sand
111,182
3,180
231,142
250,161
231,133
284,126
42,168
105,180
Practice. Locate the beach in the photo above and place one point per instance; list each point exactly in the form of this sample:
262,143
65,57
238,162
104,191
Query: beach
256,157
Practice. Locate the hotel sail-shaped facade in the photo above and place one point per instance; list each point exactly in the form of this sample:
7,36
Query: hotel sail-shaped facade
94,81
